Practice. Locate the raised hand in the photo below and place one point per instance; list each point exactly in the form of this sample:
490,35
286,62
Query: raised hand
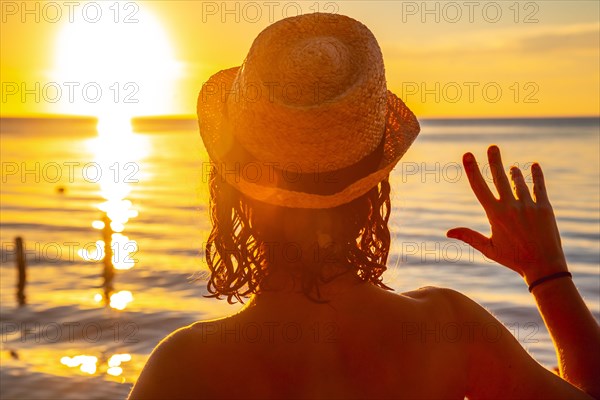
524,236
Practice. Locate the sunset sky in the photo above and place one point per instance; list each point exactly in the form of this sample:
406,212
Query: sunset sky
455,59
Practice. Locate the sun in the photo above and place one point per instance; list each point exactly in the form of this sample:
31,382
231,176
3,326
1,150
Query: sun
117,67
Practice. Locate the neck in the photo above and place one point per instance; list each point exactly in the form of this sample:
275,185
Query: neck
290,263
283,290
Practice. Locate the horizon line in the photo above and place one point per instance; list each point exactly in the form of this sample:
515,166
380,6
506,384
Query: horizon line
193,117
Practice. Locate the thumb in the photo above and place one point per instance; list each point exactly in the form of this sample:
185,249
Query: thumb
472,238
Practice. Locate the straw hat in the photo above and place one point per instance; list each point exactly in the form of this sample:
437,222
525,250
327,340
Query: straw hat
306,121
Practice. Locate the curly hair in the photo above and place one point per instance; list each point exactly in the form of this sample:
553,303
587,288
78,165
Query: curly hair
351,238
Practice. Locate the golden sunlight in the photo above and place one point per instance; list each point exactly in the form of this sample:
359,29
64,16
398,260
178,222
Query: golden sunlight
117,67
85,363
120,299
89,364
118,153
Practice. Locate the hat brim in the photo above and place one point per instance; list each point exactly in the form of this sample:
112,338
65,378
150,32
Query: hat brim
401,130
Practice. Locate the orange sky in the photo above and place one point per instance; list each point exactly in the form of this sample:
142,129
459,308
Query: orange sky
150,58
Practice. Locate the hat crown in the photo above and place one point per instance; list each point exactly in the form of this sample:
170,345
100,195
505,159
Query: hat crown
318,91
316,70
356,126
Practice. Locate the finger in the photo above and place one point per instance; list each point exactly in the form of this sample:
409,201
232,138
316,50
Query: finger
539,184
472,238
521,188
500,178
478,185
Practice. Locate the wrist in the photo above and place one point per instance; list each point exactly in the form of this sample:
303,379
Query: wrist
548,278
554,291
542,271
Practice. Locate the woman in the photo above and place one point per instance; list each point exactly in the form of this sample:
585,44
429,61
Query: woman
300,205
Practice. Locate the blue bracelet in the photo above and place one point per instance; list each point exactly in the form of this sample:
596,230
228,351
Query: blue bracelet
549,278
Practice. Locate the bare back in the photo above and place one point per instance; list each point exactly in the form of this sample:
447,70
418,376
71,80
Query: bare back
370,344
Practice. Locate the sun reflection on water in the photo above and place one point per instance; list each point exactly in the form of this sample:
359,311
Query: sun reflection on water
90,364
122,247
114,364
117,154
85,363
120,299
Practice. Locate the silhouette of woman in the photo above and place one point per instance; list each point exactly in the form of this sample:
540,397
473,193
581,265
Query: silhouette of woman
302,138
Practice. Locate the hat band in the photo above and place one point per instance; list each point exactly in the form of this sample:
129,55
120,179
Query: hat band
290,176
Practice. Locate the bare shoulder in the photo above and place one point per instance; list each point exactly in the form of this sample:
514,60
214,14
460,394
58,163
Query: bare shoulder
438,294
430,292
457,318
457,305
170,370
444,301
498,366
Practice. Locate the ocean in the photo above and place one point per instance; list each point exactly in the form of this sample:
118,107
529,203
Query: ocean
59,176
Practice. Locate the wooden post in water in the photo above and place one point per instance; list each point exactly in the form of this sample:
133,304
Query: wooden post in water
109,271
21,270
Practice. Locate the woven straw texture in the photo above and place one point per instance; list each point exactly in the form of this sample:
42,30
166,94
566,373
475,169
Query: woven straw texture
311,93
